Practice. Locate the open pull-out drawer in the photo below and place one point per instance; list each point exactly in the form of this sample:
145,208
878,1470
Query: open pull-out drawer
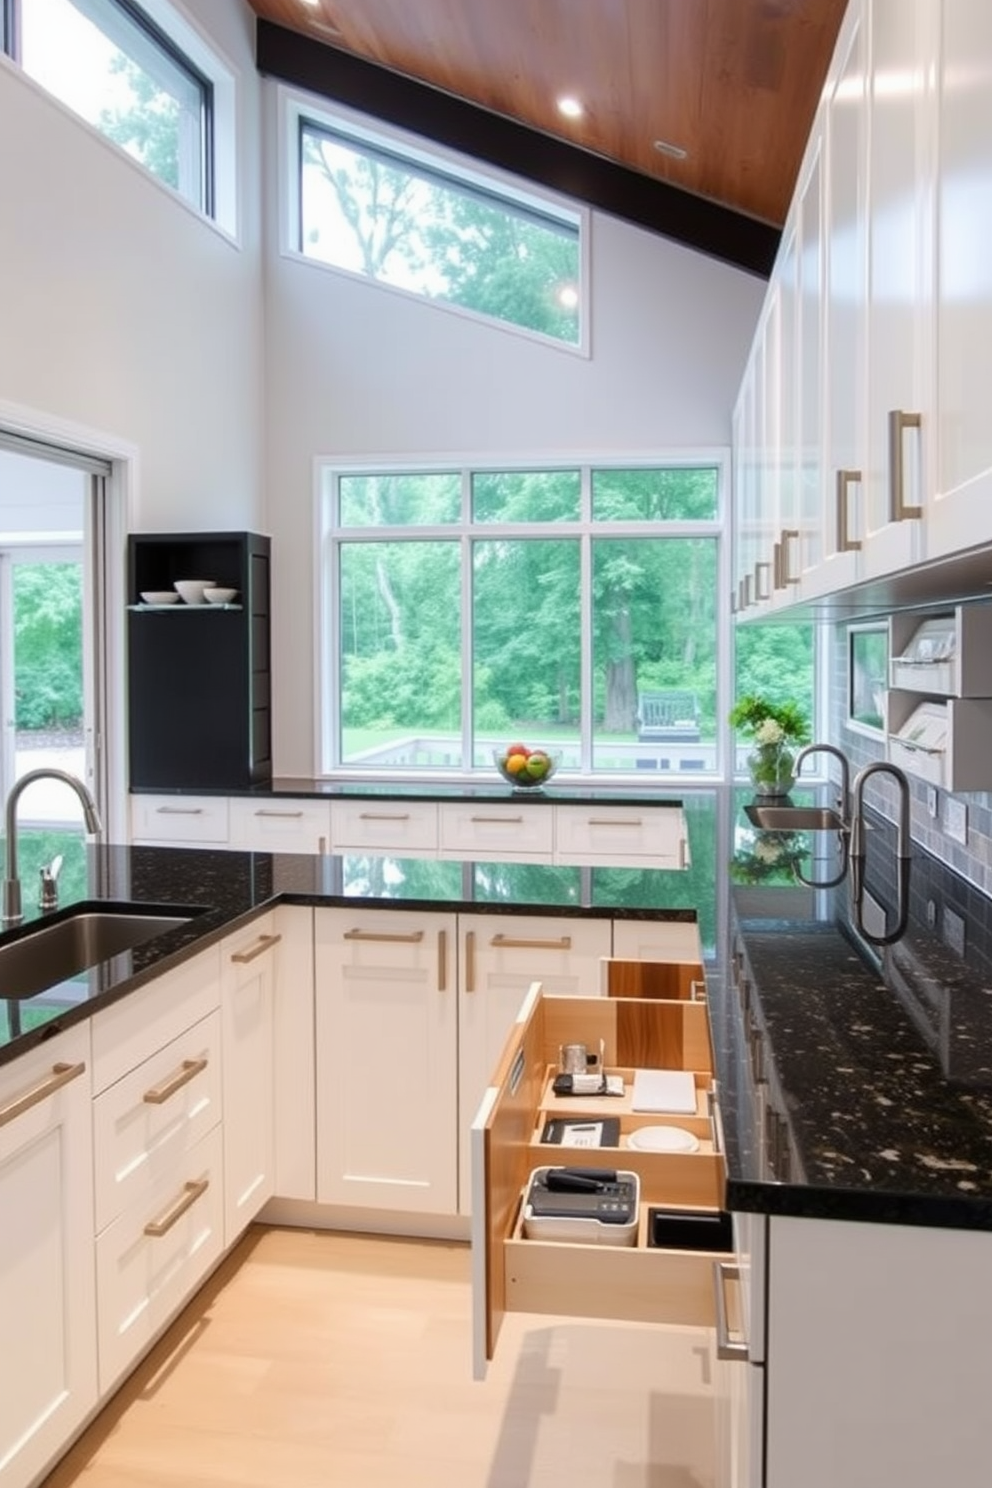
645,1282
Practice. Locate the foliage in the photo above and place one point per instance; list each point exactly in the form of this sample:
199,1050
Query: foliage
48,645
148,127
768,857
750,713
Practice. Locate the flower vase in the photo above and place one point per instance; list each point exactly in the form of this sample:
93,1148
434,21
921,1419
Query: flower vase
772,769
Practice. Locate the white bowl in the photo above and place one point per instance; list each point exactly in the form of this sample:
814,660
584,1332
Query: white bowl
219,596
191,590
159,596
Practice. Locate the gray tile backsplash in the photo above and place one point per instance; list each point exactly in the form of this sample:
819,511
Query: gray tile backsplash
973,861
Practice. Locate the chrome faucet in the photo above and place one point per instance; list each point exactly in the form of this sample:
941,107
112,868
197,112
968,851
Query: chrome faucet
12,914
879,767
845,771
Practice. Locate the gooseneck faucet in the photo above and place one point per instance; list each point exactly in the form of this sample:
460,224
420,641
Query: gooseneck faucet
879,767
12,914
845,770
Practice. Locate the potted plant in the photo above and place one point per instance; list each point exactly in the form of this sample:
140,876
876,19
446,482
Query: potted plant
769,858
775,730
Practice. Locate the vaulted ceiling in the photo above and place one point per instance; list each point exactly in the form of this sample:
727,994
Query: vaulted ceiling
713,98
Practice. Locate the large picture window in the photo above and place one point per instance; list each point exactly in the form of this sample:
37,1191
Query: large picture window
574,607
421,224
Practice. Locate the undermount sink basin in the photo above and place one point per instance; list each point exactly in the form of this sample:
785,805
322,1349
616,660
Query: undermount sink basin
794,818
52,953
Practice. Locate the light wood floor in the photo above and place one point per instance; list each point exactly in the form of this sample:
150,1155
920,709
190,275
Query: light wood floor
318,1359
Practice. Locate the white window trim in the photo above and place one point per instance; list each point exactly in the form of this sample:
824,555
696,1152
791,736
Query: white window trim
294,106
326,712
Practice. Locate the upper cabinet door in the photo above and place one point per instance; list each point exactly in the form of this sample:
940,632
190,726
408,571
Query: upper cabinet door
902,104
804,554
960,513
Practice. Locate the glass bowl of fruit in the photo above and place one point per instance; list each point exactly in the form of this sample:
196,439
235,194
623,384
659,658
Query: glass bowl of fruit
526,769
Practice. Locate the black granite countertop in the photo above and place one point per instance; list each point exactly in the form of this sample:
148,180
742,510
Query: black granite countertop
222,890
561,792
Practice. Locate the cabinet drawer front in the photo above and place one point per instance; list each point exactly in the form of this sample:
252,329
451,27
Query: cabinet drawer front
658,940
385,826
280,825
497,831
149,1118
127,1032
154,1254
188,819
620,833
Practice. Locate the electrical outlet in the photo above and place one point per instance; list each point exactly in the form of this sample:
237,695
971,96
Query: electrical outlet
953,928
931,800
956,820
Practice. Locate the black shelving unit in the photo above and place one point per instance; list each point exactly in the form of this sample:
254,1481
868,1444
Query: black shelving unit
199,685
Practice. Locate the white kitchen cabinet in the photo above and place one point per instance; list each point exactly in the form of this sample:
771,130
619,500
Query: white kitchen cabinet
404,828
621,836
387,1059
248,980
279,824
497,832
959,515
658,940
180,820
47,1292
295,1080
499,957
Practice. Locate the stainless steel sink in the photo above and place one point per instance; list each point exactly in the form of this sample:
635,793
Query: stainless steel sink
794,818
51,953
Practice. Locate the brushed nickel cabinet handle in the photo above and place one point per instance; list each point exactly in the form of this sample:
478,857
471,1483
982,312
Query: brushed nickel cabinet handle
613,821
188,1070
499,820
383,937
513,943
726,1347
470,961
263,944
760,592
179,810
747,591
193,1190
786,536
683,853
61,1075
442,960
322,847
899,422
777,580
845,542
383,816
733,601
289,815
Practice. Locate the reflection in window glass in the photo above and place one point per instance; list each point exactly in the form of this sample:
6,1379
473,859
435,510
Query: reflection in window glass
400,641
654,654
526,642
525,883
527,496
404,500
686,888
401,878
120,74
675,494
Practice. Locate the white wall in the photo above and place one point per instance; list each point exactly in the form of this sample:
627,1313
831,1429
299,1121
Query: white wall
124,312
353,369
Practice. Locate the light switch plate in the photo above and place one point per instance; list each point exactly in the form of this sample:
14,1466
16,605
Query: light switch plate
956,820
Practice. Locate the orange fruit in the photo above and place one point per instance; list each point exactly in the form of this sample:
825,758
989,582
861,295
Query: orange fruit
514,763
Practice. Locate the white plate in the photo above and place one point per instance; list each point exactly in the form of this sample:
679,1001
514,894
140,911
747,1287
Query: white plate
663,1139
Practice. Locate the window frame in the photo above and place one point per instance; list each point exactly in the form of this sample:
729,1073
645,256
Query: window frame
330,536
297,109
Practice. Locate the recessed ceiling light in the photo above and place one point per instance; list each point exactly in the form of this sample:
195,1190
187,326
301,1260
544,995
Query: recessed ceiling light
675,152
571,108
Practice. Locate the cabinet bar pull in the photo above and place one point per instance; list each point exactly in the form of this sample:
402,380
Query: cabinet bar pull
470,961
747,590
683,853
293,815
786,536
613,821
179,810
61,1075
383,816
500,820
899,422
845,542
263,944
187,1071
442,960
777,581
193,1190
697,991
413,938
726,1347
510,942
760,592
322,846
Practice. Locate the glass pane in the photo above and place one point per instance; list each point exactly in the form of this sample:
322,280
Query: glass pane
404,500
681,888
654,654
526,646
401,878
93,57
400,222
527,496
774,662
401,673
48,682
673,495
525,883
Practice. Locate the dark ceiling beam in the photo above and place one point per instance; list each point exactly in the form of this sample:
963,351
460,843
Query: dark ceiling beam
694,221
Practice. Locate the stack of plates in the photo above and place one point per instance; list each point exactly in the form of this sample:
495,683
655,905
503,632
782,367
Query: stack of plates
663,1139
